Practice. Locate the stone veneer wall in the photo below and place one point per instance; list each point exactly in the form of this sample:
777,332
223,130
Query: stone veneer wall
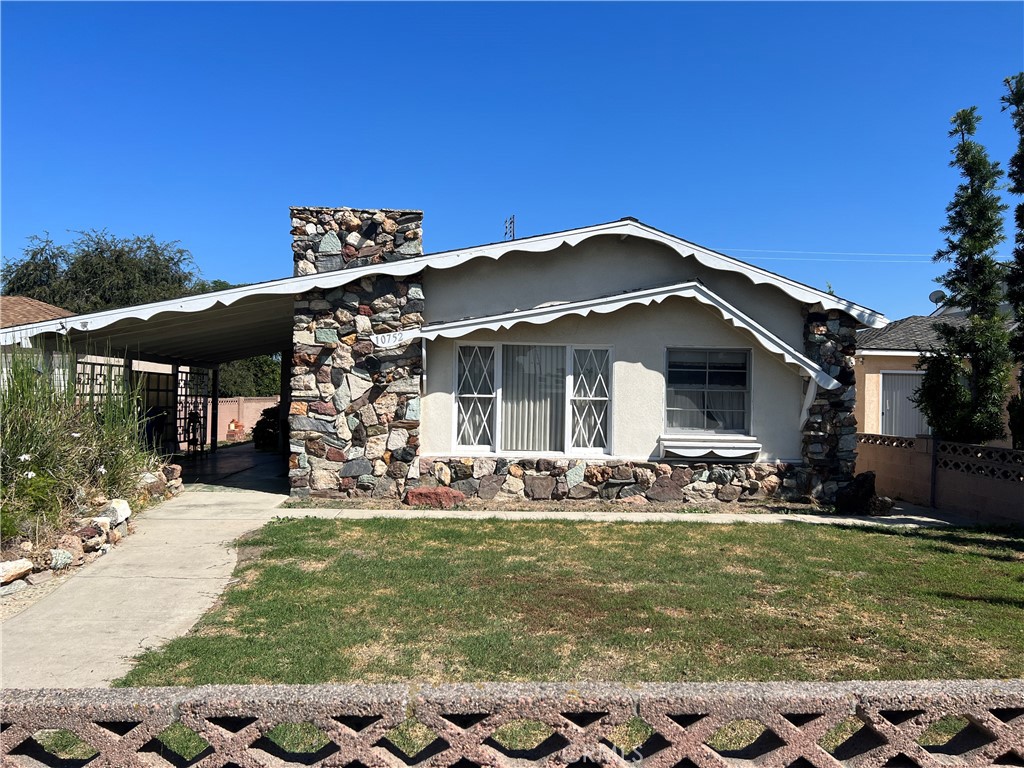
354,409
830,432
577,479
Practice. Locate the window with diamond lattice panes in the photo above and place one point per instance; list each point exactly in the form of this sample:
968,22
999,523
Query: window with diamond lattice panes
590,398
476,396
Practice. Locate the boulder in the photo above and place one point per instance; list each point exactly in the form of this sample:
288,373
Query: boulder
489,486
699,491
858,497
92,537
172,471
468,487
665,488
729,492
538,487
118,511
73,545
513,486
582,491
435,498
14,569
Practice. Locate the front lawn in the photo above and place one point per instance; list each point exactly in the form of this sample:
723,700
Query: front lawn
448,600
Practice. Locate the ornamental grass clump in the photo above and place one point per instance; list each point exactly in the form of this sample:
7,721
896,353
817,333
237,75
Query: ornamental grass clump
58,449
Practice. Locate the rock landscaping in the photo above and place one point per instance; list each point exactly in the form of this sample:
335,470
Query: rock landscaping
101,525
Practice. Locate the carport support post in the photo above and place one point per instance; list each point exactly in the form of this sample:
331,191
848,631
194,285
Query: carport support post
215,409
286,402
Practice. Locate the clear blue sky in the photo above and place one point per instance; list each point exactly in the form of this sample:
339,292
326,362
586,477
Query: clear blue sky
776,127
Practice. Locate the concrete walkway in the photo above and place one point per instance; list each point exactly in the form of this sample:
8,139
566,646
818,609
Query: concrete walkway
159,581
151,588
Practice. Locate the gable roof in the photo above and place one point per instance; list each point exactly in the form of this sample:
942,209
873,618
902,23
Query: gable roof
606,304
249,320
20,310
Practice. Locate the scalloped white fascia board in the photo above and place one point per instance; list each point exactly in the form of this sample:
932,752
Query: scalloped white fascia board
606,304
445,260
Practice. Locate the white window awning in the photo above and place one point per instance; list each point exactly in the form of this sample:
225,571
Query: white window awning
607,304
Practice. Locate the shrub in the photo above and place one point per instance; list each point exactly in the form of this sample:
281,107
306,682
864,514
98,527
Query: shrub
265,430
58,449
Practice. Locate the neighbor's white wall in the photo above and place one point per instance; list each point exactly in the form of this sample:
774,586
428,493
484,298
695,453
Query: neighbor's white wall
600,266
639,336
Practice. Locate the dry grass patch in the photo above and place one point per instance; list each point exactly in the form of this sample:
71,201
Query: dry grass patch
450,600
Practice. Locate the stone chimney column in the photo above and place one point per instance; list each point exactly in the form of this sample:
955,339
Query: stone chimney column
354,414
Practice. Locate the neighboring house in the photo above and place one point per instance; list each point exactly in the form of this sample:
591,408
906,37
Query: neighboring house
21,310
560,352
887,375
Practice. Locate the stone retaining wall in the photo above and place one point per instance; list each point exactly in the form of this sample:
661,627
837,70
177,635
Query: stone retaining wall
577,479
826,725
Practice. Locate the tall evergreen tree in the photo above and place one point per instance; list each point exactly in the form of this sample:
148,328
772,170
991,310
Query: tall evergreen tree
1014,101
976,349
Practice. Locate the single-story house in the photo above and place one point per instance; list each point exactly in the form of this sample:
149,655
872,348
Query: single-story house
574,363
22,310
888,376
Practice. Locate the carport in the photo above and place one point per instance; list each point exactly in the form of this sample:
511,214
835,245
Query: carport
177,345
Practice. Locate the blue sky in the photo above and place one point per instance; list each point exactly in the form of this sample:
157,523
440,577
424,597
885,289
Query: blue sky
755,129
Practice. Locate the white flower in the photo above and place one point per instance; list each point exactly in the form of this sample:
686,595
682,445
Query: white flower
25,457
30,474
101,469
76,434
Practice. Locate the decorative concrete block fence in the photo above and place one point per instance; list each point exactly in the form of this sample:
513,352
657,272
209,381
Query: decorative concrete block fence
825,725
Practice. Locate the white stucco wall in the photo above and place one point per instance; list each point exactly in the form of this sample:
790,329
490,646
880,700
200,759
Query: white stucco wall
639,337
600,266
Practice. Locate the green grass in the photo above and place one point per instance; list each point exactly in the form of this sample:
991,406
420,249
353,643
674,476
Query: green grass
447,600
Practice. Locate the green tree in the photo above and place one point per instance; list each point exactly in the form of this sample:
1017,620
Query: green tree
976,350
254,377
98,270
1014,101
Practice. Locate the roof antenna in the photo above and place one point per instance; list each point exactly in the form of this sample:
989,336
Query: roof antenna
510,227
936,297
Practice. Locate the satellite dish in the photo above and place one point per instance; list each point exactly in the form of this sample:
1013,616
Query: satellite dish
936,297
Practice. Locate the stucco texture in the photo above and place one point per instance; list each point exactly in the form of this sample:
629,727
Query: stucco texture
639,337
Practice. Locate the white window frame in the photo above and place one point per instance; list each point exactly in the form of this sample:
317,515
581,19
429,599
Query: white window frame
498,433
749,417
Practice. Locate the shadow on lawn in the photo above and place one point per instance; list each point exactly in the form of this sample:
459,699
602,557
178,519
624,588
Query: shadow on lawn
996,543
991,599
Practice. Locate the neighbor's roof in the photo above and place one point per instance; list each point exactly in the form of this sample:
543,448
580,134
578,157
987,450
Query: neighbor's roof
257,319
911,334
21,310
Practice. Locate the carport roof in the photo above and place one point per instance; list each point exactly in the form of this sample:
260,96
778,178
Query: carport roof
214,328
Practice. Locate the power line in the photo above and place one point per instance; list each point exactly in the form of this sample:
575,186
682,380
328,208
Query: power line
824,253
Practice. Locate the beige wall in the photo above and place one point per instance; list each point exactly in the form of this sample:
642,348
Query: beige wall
600,266
869,387
639,337
869,392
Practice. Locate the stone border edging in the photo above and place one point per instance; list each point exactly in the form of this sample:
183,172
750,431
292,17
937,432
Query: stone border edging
684,716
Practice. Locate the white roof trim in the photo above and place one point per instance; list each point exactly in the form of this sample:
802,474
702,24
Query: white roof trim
606,304
447,260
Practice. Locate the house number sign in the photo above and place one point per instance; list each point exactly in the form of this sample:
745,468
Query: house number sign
395,338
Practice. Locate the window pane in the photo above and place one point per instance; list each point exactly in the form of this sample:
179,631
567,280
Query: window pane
727,360
707,390
476,396
533,398
590,398
727,380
